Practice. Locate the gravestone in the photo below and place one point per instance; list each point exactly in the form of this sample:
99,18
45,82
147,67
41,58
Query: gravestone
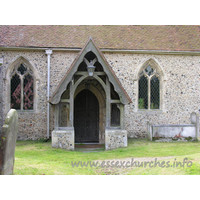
8,142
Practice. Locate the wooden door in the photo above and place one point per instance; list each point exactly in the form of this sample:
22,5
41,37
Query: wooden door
86,117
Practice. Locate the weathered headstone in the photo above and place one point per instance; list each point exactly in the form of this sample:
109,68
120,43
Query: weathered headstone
8,142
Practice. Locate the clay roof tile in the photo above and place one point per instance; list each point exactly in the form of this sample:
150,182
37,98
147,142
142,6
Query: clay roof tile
130,37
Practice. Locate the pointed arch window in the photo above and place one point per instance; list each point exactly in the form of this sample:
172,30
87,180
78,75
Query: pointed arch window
149,88
22,88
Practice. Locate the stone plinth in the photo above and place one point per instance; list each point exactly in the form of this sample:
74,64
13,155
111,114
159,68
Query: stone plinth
63,139
115,138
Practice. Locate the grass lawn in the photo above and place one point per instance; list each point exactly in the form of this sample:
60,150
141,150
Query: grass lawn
36,157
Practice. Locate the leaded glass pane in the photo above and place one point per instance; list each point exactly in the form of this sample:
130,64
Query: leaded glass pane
149,70
15,92
143,93
155,93
28,93
21,69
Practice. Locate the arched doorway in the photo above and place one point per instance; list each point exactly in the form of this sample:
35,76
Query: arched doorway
86,117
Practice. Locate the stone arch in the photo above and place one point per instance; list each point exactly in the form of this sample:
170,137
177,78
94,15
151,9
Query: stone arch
95,91
7,77
18,61
150,61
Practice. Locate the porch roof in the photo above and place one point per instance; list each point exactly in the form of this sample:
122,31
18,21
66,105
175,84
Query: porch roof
90,45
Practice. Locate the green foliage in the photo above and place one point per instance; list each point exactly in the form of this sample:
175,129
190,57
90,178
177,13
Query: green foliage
154,106
44,140
141,103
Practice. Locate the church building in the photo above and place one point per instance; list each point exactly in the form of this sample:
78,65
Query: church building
98,84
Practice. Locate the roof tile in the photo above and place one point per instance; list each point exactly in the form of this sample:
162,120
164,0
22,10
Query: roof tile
130,37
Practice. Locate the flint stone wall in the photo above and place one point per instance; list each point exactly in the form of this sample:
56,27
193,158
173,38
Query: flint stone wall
181,94
33,124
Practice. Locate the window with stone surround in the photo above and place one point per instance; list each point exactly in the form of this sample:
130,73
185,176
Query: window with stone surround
21,88
149,87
